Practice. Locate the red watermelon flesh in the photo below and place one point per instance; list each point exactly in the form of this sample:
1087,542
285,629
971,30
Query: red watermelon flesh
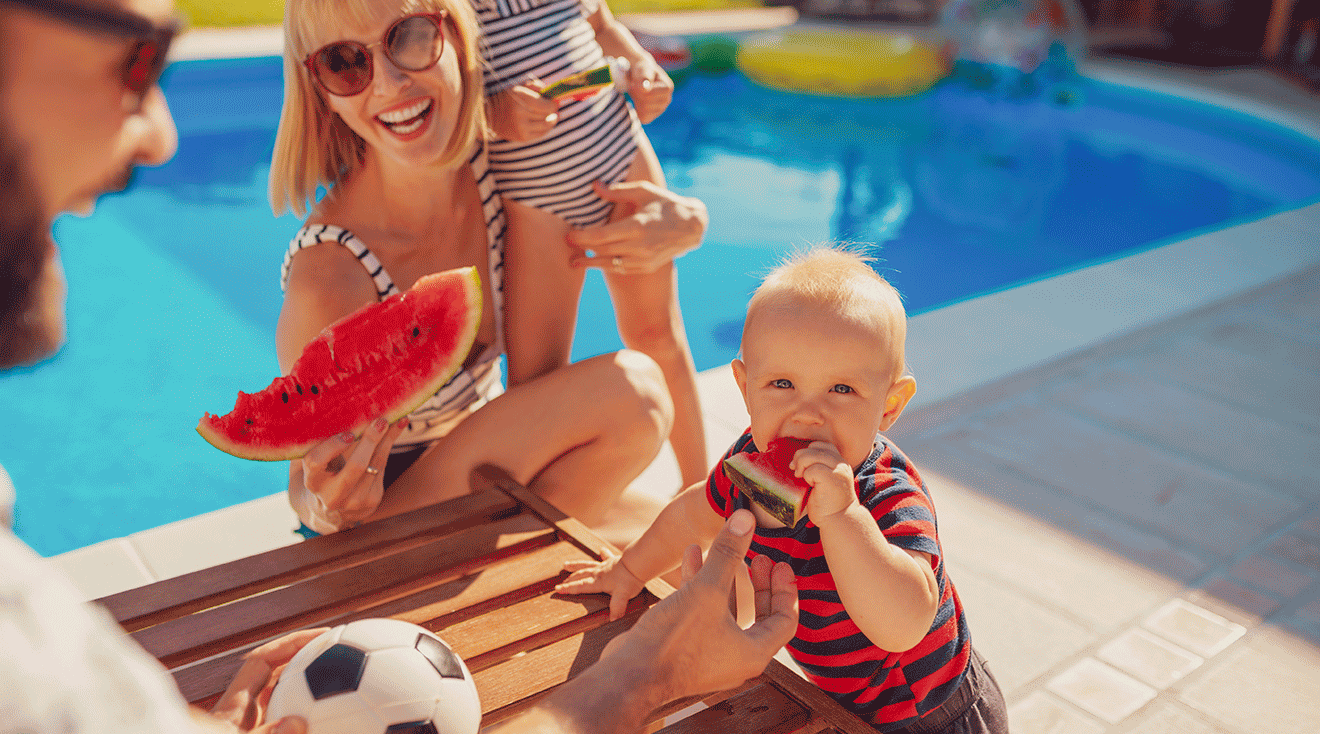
384,359
766,479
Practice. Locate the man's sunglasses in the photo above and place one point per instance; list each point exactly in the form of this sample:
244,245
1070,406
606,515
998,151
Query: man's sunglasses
151,42
412,43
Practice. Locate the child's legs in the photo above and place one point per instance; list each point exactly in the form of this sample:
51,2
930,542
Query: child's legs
647,311
576,436
541,292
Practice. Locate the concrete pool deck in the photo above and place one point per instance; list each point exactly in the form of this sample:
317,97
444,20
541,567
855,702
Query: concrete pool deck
1123,571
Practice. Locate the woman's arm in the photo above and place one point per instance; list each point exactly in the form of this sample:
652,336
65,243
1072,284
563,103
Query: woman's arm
330,488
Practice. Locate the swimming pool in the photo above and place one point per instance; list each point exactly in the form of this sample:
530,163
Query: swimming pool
174,287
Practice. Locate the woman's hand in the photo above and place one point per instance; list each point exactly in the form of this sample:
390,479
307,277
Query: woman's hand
520,113
664,227
650,87
342,479
243,704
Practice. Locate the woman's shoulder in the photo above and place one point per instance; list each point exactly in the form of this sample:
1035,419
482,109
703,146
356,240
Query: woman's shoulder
327,272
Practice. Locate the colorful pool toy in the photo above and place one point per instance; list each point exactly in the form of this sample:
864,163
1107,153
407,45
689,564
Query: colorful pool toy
840,63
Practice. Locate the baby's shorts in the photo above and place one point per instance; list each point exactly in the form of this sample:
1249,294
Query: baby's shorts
977,707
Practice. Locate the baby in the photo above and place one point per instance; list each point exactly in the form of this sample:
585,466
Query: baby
881,628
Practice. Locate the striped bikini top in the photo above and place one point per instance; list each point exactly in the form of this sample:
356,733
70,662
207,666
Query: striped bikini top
481,381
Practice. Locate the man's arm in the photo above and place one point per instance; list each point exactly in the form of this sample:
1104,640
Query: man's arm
686,645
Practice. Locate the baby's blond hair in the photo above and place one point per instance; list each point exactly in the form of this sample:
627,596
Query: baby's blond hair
840,279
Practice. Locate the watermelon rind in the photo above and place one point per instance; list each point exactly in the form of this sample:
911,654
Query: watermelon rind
354,385
776,490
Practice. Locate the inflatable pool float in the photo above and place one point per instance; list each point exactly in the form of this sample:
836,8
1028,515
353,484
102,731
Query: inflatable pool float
840,63
670,52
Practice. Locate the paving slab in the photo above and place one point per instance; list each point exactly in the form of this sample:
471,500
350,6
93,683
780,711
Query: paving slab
1243,443
1042,713
1268,683
1204,508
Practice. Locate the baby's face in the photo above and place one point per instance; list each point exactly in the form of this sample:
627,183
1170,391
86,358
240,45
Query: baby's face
808,373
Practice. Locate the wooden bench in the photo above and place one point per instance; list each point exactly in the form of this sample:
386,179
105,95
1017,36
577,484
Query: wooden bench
480,572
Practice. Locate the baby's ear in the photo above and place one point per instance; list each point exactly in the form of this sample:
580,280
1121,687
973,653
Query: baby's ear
740,376
896,401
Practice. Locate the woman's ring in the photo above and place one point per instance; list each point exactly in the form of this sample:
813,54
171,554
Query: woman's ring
373,470
617,262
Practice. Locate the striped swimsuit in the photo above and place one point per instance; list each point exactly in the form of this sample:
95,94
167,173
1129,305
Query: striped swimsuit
595,139
473,386
888,690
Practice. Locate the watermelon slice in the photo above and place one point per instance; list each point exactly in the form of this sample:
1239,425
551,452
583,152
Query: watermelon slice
386,359
766,479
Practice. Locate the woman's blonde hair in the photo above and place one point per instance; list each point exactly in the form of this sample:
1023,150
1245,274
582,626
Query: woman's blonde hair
314,147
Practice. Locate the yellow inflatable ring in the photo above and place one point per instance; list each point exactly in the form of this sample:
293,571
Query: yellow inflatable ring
841,63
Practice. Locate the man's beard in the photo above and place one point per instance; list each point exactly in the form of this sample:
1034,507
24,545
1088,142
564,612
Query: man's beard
26,335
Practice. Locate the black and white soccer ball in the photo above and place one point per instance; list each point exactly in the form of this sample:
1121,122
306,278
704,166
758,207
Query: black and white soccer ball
378,676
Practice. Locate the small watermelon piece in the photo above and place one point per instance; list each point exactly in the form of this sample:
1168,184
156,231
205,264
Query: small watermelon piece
386,359
766,479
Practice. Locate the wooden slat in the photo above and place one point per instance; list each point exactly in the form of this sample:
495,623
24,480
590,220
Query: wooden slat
761,709
506,633
514,685
147,605
497,586
825,711
308,603
492,477
439,609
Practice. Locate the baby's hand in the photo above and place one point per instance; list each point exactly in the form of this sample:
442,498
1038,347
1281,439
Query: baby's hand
521,114
831,479
609,576
650,88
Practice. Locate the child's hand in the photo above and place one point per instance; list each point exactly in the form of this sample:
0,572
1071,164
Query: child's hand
833,488
609,576
520,113
650,88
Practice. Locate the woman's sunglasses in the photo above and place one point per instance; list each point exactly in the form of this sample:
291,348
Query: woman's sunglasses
151,42
413,43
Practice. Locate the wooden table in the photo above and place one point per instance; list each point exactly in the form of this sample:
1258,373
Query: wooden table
479,571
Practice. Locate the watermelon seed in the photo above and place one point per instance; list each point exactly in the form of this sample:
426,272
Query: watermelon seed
314,390
248,421
416,332
299,389
284,397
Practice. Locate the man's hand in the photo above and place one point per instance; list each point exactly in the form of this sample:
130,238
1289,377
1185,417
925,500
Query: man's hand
242,707
664,226
686,645
691,640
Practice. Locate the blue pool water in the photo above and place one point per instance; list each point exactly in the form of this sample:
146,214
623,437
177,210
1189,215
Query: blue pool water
174,291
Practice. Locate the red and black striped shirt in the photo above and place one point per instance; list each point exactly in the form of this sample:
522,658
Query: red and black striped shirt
889,690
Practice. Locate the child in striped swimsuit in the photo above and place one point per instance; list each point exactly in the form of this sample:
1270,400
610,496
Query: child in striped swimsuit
881,628
548,159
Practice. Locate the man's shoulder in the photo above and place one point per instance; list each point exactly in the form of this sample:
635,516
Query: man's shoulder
66,667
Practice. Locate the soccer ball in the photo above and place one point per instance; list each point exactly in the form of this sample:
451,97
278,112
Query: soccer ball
378,676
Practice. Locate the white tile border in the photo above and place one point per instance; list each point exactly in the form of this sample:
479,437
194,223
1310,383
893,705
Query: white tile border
951,350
